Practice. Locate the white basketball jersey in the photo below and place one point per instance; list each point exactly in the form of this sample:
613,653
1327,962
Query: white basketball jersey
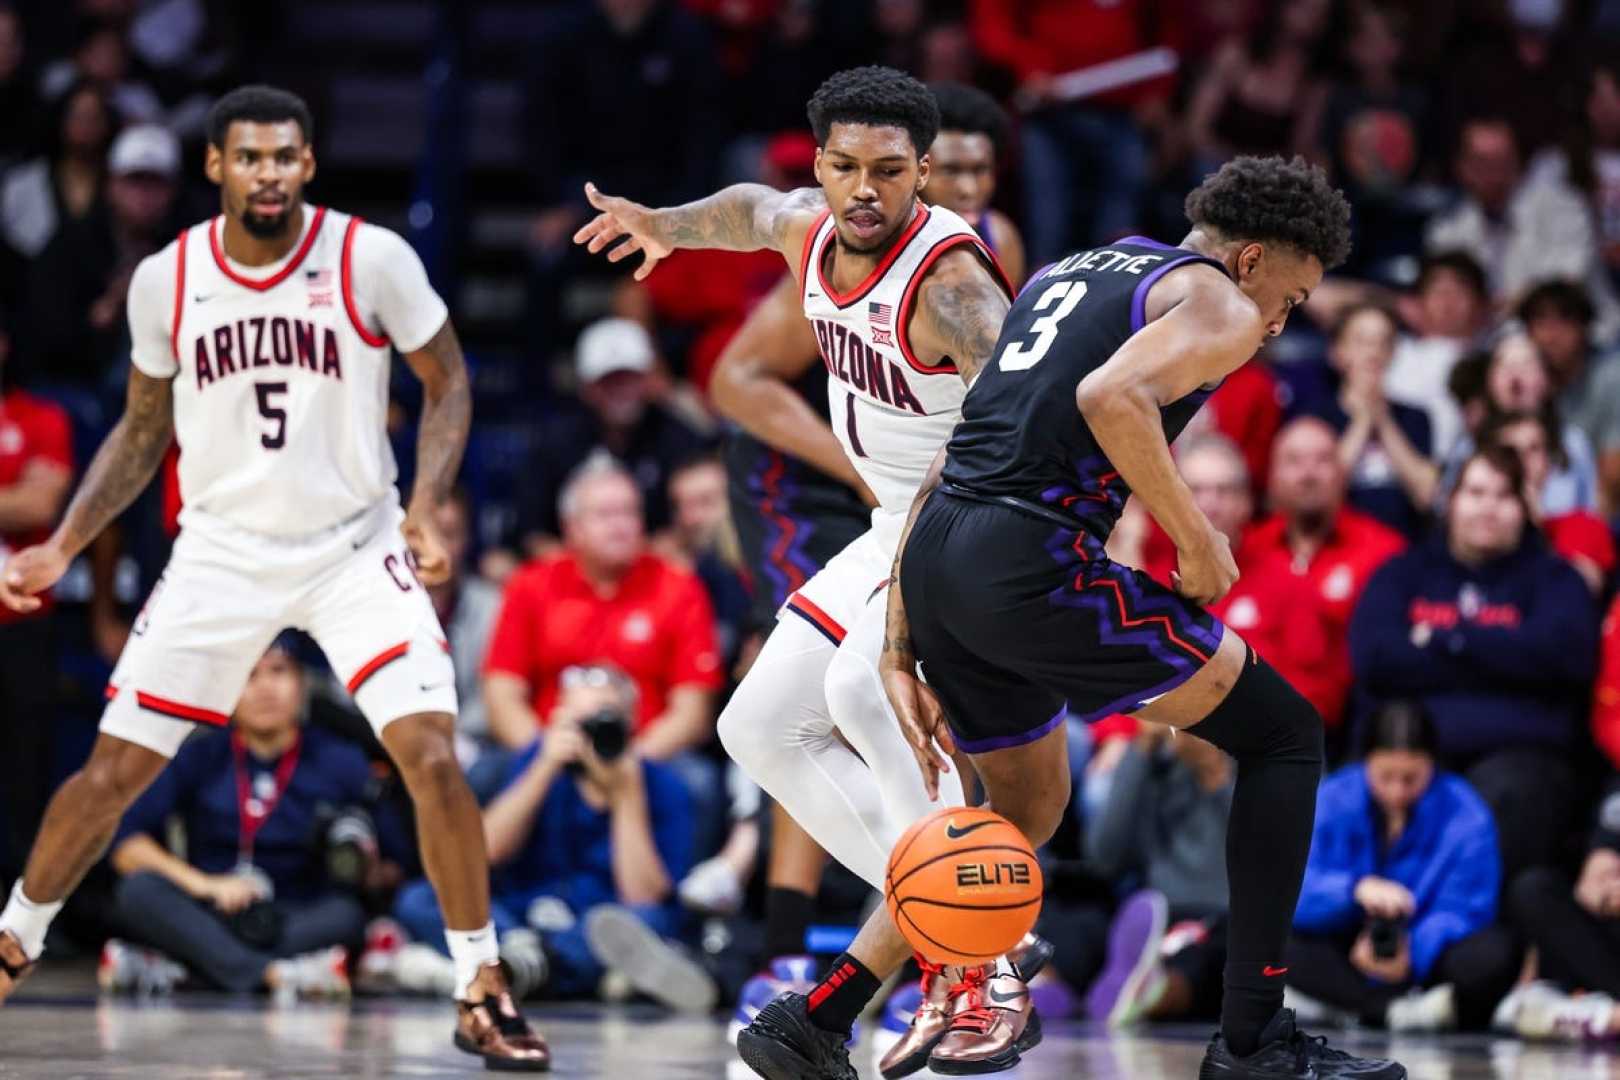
891,411
281,398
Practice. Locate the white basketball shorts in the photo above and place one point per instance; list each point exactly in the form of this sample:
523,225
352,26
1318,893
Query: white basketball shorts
833,600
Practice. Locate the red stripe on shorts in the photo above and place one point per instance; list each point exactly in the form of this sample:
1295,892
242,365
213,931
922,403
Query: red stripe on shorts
376,663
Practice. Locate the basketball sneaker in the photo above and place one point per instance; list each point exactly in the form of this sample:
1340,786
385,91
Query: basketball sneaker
1286,1052
917,1015
1132,967
783,1044
653,966
126,968
786,974
492,1028
993,1023
14,963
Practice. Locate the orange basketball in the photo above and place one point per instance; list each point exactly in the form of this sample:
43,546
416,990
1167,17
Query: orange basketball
963,886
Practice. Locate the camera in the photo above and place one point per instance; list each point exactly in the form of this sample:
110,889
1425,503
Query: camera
259,924
346,840
1386,935
609,733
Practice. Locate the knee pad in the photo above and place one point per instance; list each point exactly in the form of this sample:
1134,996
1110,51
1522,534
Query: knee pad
1263,716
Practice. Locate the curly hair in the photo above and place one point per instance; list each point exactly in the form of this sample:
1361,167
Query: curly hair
971,110
258,104
878,96
1270,198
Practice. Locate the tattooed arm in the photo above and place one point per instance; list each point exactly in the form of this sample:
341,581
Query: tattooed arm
119,472
960,308
441,438
742,217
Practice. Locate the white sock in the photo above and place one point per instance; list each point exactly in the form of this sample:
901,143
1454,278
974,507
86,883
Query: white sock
28,920
471,950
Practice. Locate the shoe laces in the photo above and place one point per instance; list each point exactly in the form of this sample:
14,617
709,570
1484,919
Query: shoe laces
974,1016
930,972
1309,1047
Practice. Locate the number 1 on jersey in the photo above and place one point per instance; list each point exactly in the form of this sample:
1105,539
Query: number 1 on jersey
1021,354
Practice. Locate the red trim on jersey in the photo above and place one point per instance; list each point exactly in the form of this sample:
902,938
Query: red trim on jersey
179,294
175,710
902,317
843,300
376,341
445,645
811,613
261,284
804,256
376,663
111,692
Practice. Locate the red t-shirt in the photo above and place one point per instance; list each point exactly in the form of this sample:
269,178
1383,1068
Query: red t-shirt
1581,533
1297,615
1247,409
711,291
31,430
1056,36
657,626
1606,695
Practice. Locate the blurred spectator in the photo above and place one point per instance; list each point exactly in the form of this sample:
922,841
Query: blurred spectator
1497,637
77,287
1589,160
966,156
1384,445
65,182
1447,309
1373,121
36,472
467,606
1247,407
700,537
1263,94
605,599
274,828
618,411
19,103
1400,891
101,57
587,840
1522,232
1163,823
1090,154
1558,317
1576,932
1578,534
1303,569
1509,59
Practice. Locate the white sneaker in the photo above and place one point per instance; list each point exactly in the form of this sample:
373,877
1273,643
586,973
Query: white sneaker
625,945
1309,1012
712,888
1429,1010
525,960
1558,1017
126,968
422,969
1505,1020
320,975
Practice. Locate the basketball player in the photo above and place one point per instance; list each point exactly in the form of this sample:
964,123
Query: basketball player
905,302
1018,615
262,342
972,131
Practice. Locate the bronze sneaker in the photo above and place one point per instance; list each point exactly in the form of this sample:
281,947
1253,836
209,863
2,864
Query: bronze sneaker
493,1029
14,964
993,1023
1030,955
928,1024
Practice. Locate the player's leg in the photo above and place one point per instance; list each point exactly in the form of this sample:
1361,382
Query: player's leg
376,624
188,657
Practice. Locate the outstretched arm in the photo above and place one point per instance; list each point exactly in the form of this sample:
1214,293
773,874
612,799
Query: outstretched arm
742,217
441,439
119,472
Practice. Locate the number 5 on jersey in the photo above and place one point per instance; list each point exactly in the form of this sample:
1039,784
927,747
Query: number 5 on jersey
1021,354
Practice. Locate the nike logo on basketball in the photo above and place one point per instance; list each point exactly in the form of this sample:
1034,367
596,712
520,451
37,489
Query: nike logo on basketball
1001,999
1272,972
956,834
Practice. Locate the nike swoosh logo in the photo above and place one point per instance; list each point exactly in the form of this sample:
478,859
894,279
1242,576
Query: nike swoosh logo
812,295
436,686
956,834
1272,972
1001,999
201,298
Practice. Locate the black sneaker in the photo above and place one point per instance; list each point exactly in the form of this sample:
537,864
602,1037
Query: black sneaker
1287,1053
782,1044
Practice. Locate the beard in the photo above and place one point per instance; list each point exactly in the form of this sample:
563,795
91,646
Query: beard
267,228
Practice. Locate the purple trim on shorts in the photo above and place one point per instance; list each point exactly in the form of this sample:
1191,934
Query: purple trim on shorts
795,556
1139,297
1003,742
1136,699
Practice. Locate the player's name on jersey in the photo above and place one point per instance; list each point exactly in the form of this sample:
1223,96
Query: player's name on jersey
263,341
1104,259
854,362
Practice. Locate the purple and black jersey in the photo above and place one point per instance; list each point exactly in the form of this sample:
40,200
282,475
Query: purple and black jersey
1022,435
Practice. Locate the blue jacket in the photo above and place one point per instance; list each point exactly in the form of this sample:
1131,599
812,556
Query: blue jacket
1508,655
1447,857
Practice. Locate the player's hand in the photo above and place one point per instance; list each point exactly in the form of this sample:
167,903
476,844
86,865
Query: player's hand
30,572
427,547
1383,899
1206,574
231,893
921,718
622,218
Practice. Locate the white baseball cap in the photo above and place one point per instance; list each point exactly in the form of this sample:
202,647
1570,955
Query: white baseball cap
145,148
610,345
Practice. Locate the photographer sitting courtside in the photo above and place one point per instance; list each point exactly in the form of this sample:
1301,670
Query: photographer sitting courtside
587,841
277,844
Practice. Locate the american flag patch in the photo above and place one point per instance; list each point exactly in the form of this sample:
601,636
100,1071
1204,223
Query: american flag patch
318,279
882,319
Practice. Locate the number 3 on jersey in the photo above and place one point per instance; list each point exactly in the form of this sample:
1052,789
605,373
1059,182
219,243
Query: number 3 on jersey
1021,354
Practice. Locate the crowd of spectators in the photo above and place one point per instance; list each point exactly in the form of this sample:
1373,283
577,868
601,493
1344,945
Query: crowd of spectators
1419,481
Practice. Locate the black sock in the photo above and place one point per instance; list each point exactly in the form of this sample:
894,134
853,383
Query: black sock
1276,737
839,997
787,918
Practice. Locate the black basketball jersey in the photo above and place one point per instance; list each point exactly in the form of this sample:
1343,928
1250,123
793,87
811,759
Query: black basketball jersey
1021,434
